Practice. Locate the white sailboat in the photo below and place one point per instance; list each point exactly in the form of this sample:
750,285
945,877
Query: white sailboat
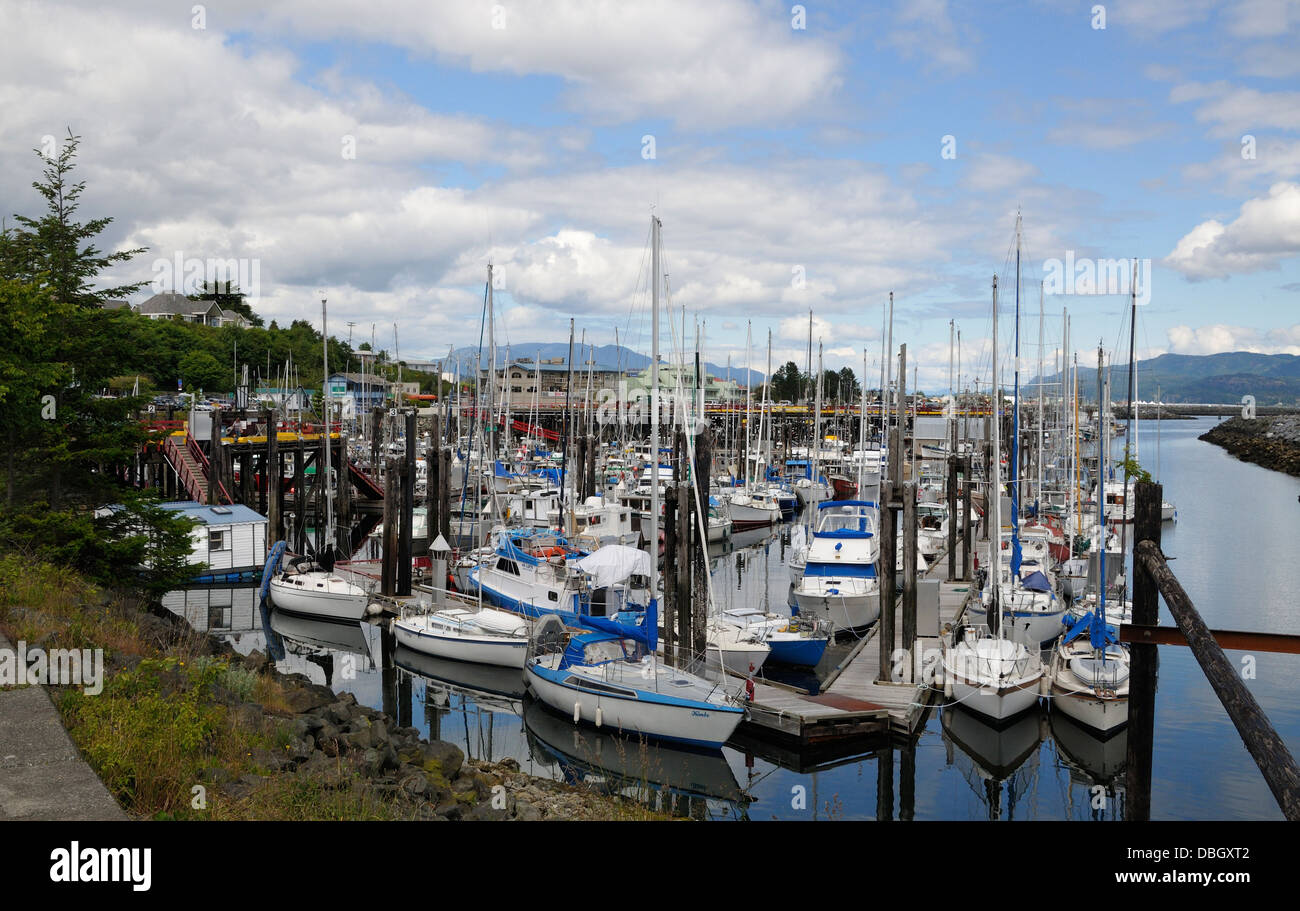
983,669
612,677
313,588
1090,668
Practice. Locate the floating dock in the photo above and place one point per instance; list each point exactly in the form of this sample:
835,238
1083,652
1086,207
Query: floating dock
852,702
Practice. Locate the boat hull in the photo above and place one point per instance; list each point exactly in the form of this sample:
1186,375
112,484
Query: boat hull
311,603
494,650
694,723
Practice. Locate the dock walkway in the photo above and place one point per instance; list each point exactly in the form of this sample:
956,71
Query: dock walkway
852,703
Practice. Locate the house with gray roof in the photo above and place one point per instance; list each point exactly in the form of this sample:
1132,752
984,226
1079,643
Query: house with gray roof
170,305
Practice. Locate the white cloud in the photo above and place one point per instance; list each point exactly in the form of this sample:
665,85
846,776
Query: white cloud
1218,338
1233,110
1266,231
925,31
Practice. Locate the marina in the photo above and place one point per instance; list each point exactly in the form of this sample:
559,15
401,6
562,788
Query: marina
587,412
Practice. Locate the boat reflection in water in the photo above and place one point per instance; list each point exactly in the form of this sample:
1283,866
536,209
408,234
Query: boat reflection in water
486,683
1003,754
333,646
476,706
1099,765
665,777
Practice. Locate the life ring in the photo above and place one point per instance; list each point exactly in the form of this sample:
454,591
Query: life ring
548,552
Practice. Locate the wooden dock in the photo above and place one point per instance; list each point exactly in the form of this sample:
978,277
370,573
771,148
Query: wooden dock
852,703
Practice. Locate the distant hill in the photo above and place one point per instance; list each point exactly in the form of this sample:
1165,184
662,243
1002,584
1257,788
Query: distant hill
607,357
1208,378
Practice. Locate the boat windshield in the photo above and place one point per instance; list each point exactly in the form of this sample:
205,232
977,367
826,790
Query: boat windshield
613,650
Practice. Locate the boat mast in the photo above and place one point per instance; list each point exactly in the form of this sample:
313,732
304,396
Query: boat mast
1128,512
652,622
749,386
329,405
994,613
1015,430
1038,497
1101,505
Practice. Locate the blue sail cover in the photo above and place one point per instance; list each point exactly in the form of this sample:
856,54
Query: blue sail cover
1036,582
1099,634
550,474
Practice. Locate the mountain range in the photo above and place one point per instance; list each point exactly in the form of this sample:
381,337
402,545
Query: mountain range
1202,378
606,357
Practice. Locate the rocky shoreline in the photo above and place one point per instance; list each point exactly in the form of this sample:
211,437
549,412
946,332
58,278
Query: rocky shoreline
1270,442
307,753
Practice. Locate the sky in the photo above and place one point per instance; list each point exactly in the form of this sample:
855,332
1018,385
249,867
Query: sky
812,157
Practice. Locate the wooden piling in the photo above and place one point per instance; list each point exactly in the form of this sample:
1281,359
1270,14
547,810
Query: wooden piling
387,580
407,505
687,622
699,561
966,487
951,492
1275,761
274,480
669,571
909,577
1144,658
887,572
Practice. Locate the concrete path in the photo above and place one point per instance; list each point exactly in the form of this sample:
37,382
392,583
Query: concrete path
42,775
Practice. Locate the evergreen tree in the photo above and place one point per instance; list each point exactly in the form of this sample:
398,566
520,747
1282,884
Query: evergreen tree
55,250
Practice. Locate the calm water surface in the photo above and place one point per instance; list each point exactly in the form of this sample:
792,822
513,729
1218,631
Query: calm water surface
1236,546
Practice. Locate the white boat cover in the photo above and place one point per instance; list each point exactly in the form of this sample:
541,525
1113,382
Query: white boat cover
613,563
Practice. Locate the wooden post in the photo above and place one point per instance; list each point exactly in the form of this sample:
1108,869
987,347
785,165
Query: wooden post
389,559
670,569
408,504
214,460
699,562
1145,657
886,574
966,486
299,495
687,622
246,474
264,489
274,480
589,471
1270,753
909,578
376,431
952,518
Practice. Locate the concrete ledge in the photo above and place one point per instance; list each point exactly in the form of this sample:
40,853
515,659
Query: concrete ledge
42,774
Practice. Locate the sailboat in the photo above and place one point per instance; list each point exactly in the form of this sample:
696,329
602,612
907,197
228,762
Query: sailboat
312,587
611,676
984,670
1031,609
1089,674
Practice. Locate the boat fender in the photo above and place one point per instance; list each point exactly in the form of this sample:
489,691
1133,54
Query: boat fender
577,712
599,716
749,688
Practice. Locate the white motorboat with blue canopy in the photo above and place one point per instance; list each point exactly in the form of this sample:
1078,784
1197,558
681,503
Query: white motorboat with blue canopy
839,581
